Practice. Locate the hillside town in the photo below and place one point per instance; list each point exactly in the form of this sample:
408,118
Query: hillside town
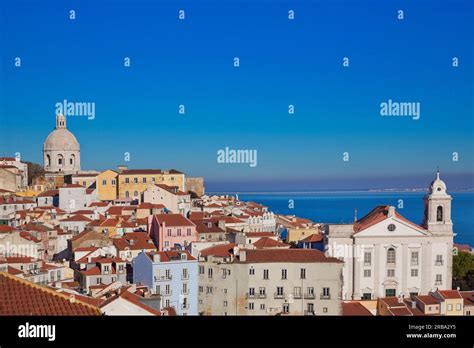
131,241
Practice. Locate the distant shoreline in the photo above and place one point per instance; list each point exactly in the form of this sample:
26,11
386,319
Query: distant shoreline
330,191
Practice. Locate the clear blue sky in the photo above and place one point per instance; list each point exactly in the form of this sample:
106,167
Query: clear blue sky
283,62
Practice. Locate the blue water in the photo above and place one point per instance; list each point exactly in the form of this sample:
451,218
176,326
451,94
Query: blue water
338,207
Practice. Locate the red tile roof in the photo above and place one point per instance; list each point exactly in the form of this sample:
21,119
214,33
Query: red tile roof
173,220
260,234
6,229
220,250
267,242
450,294
287,255
354,309
20,297
377,215
134,241
49,193
76,218
170,255
427,299
313,238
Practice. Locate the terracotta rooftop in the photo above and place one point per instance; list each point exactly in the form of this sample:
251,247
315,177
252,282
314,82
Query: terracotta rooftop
220,250
134,241
450,294
377,215
170,255
173,220
267,242
287,255
313,238
354,309
20,297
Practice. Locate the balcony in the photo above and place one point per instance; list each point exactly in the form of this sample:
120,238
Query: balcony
248,295
163,278
325,297
297,296
262,295
279,295
309,312
367,264
438,263
184,292
309,296
185,277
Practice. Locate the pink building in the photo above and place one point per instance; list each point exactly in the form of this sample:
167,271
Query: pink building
171,230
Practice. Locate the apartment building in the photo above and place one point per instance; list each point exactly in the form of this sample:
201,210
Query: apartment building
171,274
236,281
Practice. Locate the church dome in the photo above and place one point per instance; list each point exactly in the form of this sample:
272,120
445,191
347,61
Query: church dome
61,140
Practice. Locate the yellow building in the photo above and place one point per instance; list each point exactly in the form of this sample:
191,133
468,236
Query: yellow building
132,182
107,185
451,301
85,180
296,234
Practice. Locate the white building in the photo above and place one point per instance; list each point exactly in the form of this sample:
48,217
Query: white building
387,255
171,197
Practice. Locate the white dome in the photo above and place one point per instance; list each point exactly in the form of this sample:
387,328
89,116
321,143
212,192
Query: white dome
61,140
438,186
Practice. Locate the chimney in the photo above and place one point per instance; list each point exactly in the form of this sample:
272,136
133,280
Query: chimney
121,168
391,211
413,304
156,257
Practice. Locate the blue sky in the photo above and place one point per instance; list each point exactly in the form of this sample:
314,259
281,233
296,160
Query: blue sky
283,62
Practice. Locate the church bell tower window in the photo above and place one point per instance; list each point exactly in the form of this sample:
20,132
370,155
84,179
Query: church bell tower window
439,213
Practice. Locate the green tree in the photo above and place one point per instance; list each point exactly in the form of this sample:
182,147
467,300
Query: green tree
463,271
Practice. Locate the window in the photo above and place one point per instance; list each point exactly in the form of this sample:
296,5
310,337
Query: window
201,269
167,303
367,258
391,227
439,213
262,292
127,180
303,273
390,273
225,303
325,309
252,271
367,273
279,292
251,291
179,231
209,272
414,272
104,182
135,193
439,260
169,232
251,306
188,231
158,290
458,306
450,307
113,182
390,292
224,273
167,289
185,288
185,273
414,258
391,256
283,273
262,306
167,243
127,194
144,180
286,308
439,279
265,274
135,180
366,296
168,274
326,293
201,288
297,292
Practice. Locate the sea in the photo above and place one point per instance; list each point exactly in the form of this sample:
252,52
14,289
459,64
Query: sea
340,207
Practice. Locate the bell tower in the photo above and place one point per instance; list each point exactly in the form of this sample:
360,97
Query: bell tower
438,209
60,121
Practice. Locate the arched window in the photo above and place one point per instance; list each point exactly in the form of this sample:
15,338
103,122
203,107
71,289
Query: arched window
48,160
127,194
72,160
439,213
60,160
391,255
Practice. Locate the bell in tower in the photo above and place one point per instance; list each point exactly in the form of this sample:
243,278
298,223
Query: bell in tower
438,208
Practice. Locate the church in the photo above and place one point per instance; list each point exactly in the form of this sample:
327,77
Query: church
385,254
61,153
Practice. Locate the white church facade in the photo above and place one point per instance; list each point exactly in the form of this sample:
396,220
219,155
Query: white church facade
387,255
